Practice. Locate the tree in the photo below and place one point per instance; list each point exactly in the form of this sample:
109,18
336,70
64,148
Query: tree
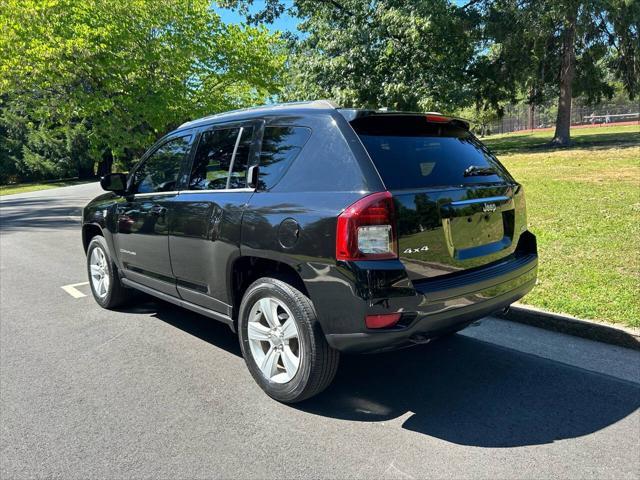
437,54
481,118
392,53
109,77
568,48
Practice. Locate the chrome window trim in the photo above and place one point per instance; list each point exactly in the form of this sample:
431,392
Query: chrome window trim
155,194
233,157
178,192
222,190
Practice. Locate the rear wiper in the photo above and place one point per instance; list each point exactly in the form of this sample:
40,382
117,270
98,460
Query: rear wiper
474,170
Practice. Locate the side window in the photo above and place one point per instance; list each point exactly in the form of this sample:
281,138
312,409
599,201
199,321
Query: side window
280,146
213,159
159,172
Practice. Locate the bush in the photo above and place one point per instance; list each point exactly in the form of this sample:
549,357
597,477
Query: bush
31,150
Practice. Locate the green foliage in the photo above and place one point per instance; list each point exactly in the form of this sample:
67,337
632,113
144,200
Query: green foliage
42,152
397,54
621,27
11,141
480,118
445,55
402,55
561,48
96,81
97,75
524,49
14,188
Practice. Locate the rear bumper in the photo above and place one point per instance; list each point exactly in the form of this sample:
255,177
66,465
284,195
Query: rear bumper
433,308
430,326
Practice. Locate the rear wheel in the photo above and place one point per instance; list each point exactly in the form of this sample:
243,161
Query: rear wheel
103,275
282,342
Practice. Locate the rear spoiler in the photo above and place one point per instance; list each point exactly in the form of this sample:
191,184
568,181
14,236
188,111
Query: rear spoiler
351,114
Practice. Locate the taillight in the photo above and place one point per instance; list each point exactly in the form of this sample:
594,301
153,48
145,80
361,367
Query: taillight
367,229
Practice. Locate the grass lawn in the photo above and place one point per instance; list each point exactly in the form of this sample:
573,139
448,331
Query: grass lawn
32,187
583,204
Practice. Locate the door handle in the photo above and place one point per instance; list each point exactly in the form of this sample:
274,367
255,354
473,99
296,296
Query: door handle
158,211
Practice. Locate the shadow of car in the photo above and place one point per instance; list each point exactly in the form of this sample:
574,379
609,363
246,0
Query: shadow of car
462,390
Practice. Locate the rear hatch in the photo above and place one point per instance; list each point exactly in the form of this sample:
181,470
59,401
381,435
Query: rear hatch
457,206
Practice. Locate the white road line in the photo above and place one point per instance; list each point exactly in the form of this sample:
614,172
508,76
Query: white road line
73,291
395,472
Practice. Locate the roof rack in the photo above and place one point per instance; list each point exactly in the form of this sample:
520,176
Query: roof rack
311,103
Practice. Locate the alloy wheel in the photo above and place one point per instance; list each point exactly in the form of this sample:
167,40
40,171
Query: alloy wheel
99,272
274,340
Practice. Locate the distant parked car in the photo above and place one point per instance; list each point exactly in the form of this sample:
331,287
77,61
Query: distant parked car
312,230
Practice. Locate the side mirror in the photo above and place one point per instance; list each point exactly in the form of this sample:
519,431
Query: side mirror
114,182
252,176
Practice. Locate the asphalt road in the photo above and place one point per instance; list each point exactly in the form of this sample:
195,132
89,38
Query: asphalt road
158,392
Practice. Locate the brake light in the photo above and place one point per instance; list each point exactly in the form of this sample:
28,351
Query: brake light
437,118
367,229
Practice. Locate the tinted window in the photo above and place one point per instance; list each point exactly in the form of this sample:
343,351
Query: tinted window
213,159
409,152
280,146
159,172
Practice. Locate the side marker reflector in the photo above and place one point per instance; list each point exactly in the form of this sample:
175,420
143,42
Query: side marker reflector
382,321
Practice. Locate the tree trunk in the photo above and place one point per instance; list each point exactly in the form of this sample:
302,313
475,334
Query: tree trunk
532,110
106,162
567,73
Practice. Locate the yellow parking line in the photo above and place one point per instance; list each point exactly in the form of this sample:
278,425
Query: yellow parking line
73,291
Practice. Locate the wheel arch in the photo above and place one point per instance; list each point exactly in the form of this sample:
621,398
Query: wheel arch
90,230
247,269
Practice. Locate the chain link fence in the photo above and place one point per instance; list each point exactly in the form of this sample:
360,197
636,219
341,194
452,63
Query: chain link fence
522,117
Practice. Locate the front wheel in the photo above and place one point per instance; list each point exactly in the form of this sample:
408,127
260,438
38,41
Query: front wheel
103,275
282,342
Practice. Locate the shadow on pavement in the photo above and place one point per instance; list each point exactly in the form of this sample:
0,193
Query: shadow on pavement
31,213
211,331
469,392
461,390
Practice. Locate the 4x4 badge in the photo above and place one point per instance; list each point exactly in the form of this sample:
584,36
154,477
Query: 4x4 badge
416,250
489,207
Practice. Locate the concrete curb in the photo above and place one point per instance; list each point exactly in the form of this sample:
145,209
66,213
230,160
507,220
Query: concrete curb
600,332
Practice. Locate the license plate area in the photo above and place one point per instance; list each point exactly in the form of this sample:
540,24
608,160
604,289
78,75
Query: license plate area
478,227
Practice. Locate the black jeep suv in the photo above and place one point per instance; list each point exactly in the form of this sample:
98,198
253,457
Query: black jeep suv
312,230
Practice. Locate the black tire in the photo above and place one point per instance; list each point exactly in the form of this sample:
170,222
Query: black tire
116,293
318,361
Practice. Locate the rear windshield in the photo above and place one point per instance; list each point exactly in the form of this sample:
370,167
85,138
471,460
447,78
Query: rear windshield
410,152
